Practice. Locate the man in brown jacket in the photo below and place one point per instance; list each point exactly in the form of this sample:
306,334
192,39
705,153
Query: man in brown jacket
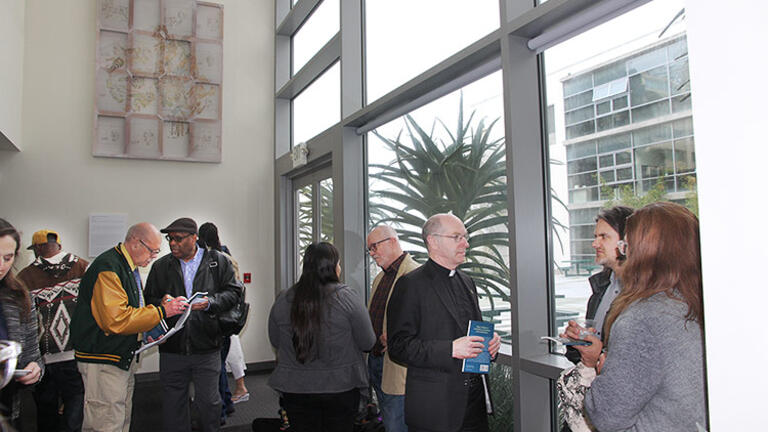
53,281
386,376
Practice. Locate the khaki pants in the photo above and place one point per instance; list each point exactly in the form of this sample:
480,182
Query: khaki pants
108,397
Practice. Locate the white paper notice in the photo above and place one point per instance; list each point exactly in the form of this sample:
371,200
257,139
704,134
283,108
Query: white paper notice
105,231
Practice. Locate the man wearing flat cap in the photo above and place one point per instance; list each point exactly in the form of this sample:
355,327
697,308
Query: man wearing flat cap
192,354
53,281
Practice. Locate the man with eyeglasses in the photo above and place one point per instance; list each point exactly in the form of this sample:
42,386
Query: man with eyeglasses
193,354
386,376
107,327
427,321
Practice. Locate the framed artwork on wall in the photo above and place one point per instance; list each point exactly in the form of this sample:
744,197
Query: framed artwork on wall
158,80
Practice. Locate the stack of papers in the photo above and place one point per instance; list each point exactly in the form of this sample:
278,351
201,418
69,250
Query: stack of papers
162,328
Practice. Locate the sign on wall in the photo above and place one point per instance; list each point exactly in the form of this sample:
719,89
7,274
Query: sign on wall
158,80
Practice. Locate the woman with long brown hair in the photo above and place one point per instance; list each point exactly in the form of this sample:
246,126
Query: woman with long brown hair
17,321
320,328
651,376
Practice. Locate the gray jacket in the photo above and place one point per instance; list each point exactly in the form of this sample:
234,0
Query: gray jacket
653,378
346,333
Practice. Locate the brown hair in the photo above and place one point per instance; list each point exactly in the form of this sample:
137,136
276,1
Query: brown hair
664,256
16,289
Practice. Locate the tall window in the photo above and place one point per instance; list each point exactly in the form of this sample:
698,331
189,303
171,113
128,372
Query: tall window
319,28
318,106
449,156
405,38
622,134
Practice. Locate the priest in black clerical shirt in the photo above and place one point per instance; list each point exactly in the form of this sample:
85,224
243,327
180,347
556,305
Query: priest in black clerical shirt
427,321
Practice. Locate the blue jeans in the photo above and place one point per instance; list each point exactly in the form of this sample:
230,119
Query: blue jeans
392,407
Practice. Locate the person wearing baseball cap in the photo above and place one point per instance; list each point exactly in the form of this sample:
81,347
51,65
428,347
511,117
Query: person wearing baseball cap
53,281
193,353
44,237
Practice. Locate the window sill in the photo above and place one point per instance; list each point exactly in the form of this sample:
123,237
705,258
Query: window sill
547,365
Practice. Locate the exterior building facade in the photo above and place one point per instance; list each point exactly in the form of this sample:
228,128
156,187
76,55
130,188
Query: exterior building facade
628,130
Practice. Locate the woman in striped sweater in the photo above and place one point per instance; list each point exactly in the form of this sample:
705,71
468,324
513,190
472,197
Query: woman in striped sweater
18,322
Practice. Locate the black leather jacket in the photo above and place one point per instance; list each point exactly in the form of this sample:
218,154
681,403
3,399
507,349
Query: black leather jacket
215,276
599,282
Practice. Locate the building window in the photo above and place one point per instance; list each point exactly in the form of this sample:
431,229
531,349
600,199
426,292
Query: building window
405,38
623,133
450,156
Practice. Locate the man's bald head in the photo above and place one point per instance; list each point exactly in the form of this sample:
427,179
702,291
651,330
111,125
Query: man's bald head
143,242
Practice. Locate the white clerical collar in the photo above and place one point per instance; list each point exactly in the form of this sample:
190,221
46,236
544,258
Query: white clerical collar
453,272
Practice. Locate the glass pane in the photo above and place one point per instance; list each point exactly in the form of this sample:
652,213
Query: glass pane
685,156
581,129
582,216
326,210
613,142
578,100
648,86
581,165
580,196
650,111
405,37
623,158
679,78
318,107
607,176
410,178
683,128
630,48
651,134
582,180
605,161
647,60
579,115
609,73
681,103
654,160
603,108
304,218
619,103
316,31
582,149
624,174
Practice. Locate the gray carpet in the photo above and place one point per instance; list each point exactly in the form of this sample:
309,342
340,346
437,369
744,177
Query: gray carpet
147,401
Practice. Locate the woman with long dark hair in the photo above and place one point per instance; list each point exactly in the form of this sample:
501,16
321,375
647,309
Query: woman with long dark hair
18,322
320,329
651,377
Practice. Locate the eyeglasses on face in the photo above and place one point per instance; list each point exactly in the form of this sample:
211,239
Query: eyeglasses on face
152,252
375,245
177,239
458,238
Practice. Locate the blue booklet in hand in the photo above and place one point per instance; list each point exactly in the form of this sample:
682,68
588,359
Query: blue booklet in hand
481,363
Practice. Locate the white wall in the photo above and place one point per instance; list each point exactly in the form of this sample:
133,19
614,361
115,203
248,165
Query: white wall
11,73
55,182
727,55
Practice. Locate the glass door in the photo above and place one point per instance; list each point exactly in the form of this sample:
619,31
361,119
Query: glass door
312,212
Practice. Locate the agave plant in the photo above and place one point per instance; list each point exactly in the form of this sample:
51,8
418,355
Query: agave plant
464,174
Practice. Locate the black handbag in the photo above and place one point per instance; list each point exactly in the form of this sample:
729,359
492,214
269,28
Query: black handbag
232,321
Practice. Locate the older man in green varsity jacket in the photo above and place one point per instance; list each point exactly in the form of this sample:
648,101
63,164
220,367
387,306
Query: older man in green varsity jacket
107,325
